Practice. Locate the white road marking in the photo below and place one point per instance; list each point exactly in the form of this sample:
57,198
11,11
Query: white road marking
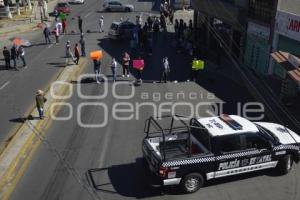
87,15
4,85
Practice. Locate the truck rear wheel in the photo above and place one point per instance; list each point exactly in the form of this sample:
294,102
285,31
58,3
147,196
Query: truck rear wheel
192,182
285,164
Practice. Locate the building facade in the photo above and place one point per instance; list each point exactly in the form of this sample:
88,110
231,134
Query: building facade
287,33
285,62
216,20
260,26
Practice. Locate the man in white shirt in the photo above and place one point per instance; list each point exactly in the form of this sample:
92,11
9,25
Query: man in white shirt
101,22
58,26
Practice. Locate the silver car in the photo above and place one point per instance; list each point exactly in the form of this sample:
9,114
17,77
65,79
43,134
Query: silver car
115,5
121,30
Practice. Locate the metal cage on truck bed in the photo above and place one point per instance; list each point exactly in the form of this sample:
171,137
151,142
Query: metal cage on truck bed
175,139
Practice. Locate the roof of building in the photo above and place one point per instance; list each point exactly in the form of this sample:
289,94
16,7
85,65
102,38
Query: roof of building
227,125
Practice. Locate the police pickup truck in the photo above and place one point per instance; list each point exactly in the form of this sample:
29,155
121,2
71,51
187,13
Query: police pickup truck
208,148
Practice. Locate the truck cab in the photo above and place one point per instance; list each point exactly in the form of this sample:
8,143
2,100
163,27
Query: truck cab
188,154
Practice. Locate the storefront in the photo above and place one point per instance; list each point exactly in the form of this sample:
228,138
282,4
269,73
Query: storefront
286,39
291,68
257,51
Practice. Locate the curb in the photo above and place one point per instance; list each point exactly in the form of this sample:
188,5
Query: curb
18,153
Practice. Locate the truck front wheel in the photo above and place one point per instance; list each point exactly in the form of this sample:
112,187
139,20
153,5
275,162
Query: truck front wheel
285,164
192,182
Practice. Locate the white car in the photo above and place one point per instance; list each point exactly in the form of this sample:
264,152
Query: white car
117,5
77,1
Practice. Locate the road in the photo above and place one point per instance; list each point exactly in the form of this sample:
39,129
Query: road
114,151
17,88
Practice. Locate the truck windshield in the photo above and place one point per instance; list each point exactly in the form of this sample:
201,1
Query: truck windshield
267,134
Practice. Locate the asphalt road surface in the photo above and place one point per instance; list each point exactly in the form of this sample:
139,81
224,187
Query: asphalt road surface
113,152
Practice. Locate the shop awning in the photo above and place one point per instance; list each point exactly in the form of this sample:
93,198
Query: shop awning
289,62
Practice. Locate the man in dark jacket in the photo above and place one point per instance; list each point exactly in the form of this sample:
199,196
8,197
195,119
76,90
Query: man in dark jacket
47,34
97,70
14,54
40,101
6,55
80,24
165,70
82,44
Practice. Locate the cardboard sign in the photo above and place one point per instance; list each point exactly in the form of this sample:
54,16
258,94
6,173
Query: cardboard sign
198,65
96,55
138,64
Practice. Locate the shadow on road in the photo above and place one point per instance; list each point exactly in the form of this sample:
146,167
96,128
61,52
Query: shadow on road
128,180
24,119
134,180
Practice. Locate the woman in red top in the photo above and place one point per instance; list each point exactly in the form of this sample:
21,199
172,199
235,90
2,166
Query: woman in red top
77,54
64,26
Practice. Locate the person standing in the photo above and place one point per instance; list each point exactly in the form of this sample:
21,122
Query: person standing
114,66
40,101
165,70
139,74
55,14
56,33
47,34
6,55
150,22
126,61
194,71
13,55
59,27
80,21
76,53
64,26
21,53
82,45
69,54
101,23
97,70
171,16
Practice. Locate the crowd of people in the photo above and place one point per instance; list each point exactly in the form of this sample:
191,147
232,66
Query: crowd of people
14,54
144,35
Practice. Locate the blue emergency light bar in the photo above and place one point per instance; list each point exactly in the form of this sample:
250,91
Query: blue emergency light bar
230,122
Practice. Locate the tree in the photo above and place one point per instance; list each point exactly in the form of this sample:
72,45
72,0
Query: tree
29,4
7,9
18,7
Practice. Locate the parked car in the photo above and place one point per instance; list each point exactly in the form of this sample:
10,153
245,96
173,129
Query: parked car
121,30
115,5
63,7
77,1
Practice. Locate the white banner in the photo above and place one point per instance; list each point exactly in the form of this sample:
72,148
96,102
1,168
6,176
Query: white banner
288,24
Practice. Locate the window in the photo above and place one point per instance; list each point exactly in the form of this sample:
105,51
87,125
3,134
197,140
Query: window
229,143
254,141
261,10
202,135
